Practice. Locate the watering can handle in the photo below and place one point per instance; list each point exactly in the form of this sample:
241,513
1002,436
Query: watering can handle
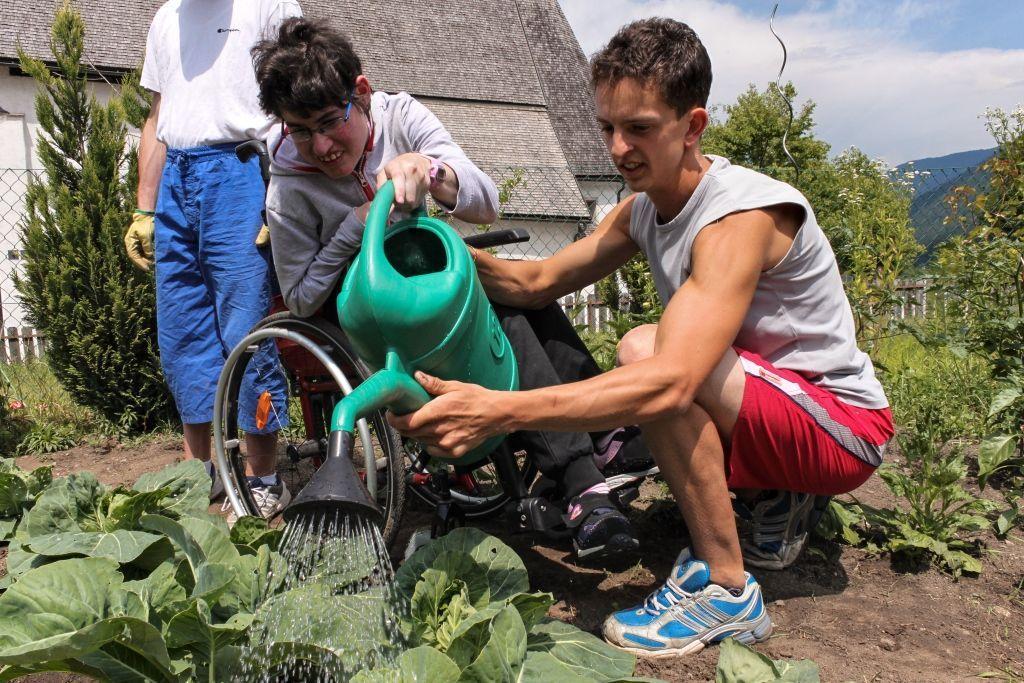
378,268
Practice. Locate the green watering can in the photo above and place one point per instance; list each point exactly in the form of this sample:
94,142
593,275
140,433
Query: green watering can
411,301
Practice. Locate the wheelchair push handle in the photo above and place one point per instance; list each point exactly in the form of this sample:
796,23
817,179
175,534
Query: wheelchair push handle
497,238
248,149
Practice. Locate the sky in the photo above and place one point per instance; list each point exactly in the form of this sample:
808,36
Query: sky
899,79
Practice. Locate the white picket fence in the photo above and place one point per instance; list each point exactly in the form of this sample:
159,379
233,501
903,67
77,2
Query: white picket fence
20,344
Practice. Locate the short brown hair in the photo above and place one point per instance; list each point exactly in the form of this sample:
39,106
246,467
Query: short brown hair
309,66
661,51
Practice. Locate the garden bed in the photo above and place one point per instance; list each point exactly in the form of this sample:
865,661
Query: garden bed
857,616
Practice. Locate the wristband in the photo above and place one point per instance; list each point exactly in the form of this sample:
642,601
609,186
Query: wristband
144,212
437,171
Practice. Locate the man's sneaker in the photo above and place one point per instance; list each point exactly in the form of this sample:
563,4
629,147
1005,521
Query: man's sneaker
778,526
688,613
623,457
602,535
270,499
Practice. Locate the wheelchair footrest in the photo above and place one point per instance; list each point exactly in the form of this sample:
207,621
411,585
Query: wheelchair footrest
536,514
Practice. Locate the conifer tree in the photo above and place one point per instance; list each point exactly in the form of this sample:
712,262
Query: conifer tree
96,309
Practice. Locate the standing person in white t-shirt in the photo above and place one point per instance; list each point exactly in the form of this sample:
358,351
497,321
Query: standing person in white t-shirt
203,206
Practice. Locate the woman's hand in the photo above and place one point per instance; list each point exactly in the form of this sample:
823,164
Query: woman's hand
410,174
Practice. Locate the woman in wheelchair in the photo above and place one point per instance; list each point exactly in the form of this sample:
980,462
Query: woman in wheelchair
337,143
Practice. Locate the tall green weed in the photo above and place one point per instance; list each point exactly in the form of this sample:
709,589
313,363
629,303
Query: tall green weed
949,384
937,520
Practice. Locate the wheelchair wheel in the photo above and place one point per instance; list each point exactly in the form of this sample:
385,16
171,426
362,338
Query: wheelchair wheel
477,490
319,367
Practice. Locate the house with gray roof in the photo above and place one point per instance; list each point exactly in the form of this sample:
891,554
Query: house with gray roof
514,94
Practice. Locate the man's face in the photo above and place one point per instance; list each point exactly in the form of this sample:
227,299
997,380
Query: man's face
329,141
645,136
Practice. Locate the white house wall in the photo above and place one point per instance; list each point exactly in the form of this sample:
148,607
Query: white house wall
604,195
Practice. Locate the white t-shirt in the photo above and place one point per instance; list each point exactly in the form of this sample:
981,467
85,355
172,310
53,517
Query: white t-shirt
197,58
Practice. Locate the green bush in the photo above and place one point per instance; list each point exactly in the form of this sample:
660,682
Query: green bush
96,310
981,274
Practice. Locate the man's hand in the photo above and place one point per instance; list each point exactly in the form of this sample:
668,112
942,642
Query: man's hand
460,418
138,241
411,175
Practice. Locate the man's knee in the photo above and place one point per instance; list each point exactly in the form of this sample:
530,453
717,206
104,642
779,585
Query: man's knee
636,345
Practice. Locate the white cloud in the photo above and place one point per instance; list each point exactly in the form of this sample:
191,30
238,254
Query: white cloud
875,86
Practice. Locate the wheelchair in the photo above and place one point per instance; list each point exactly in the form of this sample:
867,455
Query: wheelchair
319,368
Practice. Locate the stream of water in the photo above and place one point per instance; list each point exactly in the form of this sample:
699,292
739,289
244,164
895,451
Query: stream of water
338,611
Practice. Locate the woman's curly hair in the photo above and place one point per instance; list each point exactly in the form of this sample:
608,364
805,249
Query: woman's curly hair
308,66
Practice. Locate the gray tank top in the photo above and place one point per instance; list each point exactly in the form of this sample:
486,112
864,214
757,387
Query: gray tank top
800,318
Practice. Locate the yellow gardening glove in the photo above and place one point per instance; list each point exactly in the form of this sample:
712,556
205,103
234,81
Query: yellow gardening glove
263,237
138,241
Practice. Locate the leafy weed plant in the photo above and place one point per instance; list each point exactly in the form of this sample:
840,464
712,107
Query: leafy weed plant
46,437
938,520
43,417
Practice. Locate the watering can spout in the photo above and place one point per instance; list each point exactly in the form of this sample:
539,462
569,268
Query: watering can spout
335,487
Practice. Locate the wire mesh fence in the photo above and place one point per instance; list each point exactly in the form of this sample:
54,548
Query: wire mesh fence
20,341
934,217
25,380
554,206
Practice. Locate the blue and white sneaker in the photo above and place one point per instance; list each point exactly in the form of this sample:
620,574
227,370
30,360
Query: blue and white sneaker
688,613
778,527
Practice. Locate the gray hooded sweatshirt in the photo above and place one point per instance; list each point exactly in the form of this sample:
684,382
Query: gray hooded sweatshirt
314,230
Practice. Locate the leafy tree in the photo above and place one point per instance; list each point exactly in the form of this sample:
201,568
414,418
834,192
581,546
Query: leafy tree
751,132
96,309
867,217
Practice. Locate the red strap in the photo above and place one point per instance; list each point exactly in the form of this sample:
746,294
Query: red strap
369,191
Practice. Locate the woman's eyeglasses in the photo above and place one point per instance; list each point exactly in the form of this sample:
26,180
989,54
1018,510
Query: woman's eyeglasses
329,126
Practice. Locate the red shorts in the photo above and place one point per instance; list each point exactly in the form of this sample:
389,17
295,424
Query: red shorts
795,436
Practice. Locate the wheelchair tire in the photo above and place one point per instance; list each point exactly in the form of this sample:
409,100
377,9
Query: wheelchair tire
387,444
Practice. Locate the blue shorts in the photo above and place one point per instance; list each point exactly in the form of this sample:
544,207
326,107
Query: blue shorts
213,283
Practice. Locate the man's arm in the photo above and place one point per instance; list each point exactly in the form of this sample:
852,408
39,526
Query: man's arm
699,324
535,284
152,154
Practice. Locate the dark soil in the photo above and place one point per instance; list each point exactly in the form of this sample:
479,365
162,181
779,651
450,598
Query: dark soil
855,615
859,617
